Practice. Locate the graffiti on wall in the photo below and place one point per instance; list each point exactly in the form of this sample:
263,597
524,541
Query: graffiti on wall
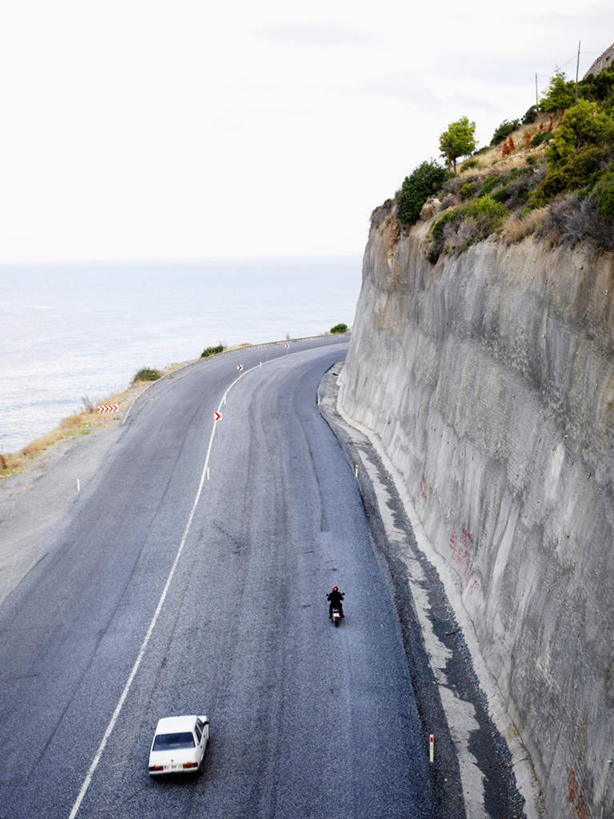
463,550
574,794
425,490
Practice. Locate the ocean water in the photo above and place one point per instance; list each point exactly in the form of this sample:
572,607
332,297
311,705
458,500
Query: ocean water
85,330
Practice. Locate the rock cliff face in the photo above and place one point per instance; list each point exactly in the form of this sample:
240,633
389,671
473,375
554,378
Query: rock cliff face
489,379
601,63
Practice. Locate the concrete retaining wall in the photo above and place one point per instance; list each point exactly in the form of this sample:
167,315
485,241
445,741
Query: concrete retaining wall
490,380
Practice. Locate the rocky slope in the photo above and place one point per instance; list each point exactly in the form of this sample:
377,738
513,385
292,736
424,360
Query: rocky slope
489,378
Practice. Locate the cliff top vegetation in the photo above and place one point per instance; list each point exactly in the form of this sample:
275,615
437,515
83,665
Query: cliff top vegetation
550,172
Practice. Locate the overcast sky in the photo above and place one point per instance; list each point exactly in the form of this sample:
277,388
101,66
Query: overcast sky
176,128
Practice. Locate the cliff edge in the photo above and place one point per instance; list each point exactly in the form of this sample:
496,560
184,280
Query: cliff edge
489,379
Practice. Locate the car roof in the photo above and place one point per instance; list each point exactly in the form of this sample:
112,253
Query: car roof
172,724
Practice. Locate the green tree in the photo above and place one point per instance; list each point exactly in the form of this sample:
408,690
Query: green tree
583,124
458,140
423,182
559,94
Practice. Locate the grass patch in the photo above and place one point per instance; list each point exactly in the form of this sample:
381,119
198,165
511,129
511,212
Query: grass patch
212,351
147,374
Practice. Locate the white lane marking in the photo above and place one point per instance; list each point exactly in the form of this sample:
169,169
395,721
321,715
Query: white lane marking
154,619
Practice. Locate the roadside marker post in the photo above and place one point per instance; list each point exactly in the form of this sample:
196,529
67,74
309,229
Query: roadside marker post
78,486
431,748
356,470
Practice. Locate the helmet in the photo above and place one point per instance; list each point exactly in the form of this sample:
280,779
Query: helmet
335,588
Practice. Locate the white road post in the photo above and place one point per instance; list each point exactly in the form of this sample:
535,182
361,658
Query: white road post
431,748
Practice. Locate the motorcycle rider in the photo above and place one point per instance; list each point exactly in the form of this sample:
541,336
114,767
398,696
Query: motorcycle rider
335,597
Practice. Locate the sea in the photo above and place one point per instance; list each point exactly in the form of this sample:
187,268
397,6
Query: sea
75,331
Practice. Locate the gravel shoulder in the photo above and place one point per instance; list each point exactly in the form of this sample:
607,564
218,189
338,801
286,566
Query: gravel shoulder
35,503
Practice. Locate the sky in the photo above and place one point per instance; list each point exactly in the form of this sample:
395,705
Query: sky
163,129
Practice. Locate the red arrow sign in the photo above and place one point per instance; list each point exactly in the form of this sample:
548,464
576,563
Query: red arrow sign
107,408
286,345
239,367
217,416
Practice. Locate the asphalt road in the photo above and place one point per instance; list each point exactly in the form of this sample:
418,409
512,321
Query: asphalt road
306,720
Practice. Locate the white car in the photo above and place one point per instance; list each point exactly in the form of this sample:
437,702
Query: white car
179,745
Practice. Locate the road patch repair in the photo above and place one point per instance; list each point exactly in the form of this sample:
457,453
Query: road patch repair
474,741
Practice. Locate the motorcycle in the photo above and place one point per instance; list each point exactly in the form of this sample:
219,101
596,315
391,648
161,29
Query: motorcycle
336,617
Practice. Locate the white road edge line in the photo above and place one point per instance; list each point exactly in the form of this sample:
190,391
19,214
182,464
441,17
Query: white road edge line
88,779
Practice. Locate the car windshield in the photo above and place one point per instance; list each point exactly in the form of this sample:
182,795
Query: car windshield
169,742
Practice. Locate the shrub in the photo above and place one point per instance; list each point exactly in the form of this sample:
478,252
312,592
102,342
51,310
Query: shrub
211,351
538,139
559,94
463,226
501,194
581,170
504,130
339,328
490,183
604,194
583,124
466,192
599,88
423,182
487,212
530,115
147,374
531,160
572,220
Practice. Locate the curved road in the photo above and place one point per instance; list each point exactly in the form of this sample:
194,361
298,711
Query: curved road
306,720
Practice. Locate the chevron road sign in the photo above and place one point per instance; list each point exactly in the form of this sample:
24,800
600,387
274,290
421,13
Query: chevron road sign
107,408
239,367
217,416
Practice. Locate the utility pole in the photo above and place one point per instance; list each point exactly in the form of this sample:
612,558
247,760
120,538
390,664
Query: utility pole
578,68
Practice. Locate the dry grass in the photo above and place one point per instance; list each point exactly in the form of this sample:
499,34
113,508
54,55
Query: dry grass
75,426
516,228
492,158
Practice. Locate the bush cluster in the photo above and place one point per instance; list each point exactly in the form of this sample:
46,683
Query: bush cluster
339,328
580,153
423,182
147,374
574,219
559,94
464,225
211,351
504,130
530,115
540,138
